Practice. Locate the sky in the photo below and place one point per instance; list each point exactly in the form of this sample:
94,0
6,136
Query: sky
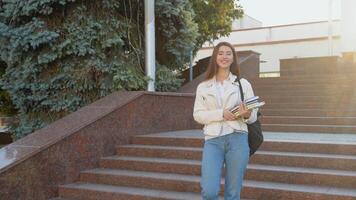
278,12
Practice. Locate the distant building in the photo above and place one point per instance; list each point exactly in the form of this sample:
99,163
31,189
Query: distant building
310,39
246,22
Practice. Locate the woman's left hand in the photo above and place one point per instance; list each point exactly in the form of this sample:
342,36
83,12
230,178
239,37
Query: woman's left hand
243,111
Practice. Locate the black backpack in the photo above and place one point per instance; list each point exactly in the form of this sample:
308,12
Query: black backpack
255,136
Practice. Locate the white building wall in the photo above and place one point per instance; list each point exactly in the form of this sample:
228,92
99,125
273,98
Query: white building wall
272,53
246,22
348,25
278,33
280,42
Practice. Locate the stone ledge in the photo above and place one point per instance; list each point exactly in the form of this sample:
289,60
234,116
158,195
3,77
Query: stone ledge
57,153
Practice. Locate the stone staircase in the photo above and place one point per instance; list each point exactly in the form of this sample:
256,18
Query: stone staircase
309,123
325,103
167,166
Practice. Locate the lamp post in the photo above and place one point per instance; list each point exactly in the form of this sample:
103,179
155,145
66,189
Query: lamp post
330,29
150,48
191,65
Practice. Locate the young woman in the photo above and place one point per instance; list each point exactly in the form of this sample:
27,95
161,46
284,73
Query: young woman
226,139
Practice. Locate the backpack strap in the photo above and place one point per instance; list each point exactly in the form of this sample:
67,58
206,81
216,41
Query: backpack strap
240,86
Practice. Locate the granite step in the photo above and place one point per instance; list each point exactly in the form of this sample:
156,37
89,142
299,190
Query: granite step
193,153
303,87
343,82
305,79
167,166
309,112
291,83
307,146
252,189
168,141
292,92
163,165
309,128
89,191
172,164
325,99
305,105
159,144
312,160
142,179
163,149
301,176
296,93
308,120
180,182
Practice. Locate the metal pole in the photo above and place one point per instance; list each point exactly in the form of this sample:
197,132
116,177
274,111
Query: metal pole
150,48
330,29
191,66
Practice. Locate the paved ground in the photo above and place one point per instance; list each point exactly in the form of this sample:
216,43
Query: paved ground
332,138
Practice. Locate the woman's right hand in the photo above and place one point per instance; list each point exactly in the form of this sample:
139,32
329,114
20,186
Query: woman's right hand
228,115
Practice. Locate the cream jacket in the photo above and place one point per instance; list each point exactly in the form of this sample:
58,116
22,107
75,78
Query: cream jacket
208,112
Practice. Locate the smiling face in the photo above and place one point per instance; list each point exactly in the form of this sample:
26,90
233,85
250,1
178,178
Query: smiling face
224,57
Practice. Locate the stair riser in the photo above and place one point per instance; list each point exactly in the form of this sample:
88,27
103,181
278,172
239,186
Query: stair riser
305,79
305,105
303,92
309,100
301,178
294,90
81,194
303,71
267,145
300,93
312,106
277,128
251,174
309,121
143,182
268,194
312,76
309,77
181,142
289,82
166,153
303,87
151,166
310,113
247,192
311,162
340,149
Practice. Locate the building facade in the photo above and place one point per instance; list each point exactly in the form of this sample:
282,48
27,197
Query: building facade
301,40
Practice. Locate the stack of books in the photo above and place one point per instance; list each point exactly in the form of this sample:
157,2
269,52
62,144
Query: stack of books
250,103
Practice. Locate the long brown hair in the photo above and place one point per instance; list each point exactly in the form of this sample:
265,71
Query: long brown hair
213,65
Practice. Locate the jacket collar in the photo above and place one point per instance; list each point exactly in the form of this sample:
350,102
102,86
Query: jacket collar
231,78
211,89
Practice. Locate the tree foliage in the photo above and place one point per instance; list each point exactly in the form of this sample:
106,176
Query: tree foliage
6,106
214,18
64,54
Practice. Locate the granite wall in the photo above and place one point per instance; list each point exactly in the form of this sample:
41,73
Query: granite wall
32,167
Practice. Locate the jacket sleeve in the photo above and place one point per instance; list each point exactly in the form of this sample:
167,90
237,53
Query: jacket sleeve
202,114
248,94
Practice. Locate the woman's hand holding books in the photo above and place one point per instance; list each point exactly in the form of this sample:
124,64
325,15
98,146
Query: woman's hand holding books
248,105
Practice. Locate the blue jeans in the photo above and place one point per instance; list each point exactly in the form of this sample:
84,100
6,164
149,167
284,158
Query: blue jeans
233,151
